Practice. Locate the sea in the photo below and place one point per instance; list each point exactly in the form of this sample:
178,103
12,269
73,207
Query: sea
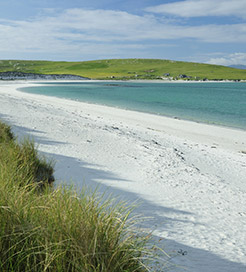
219,103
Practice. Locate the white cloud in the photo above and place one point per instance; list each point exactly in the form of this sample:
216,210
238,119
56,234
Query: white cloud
88,31
231,59
200,8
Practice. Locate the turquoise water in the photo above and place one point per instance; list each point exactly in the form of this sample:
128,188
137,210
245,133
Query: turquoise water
214,103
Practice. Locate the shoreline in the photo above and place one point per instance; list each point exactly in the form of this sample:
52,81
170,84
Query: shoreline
139,111
80,78
188,177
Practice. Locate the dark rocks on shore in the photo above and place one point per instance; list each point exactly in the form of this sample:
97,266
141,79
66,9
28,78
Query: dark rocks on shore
12,75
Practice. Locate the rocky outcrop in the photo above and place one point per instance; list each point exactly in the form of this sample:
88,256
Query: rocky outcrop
12,75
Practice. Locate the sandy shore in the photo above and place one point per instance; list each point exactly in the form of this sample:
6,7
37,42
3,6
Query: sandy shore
189,178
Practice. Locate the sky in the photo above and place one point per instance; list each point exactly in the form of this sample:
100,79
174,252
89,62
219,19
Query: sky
205,31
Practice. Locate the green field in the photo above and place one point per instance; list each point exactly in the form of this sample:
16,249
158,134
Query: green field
127,69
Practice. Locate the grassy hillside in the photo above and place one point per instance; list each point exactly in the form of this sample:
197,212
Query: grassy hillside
126,69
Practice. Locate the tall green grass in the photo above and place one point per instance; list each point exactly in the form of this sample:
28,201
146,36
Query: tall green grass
20,163
58,229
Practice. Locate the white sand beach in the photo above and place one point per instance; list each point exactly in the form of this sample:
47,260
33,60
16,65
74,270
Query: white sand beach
188,178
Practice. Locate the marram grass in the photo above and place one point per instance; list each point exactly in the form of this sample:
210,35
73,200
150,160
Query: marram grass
58,229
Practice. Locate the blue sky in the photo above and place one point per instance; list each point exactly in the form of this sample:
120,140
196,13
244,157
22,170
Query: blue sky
208,31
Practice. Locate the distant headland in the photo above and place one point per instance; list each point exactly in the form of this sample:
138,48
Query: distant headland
119,69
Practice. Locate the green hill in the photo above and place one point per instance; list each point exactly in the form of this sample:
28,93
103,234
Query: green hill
127,69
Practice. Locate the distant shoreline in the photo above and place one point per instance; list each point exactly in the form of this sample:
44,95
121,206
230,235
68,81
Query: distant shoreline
13,75
70,78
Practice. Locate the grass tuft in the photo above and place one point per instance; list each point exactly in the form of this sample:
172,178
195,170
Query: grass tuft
59,229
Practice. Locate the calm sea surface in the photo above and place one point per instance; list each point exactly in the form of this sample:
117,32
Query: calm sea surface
214,103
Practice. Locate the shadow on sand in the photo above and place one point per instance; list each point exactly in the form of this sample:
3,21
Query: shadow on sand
75,172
